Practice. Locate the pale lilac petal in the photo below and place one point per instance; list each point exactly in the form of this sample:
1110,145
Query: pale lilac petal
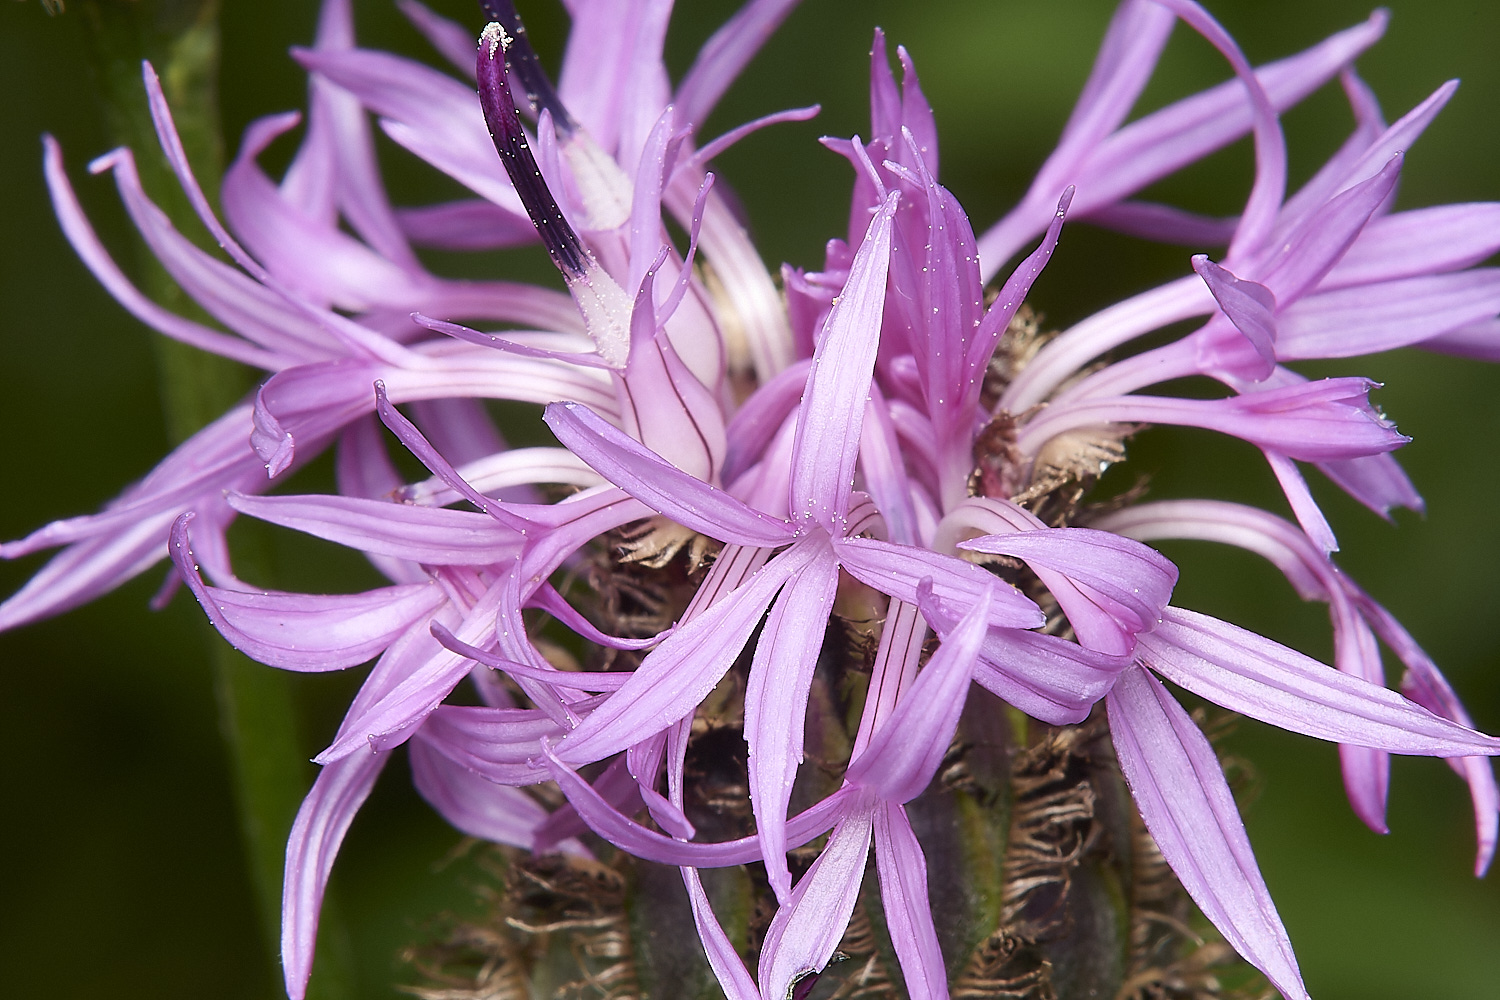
725,55
271,441
755,424
353,338
420,447
1269,188
667,489
616,788
1016,287
699,160
306,631
649,845
1425,684
233,298
905,750
431,114
310,256
670,411
680,673
898,570
1309,515
1044,676
1480,341
465,225
1366,772
1109,168
549,600
1254,676
1165,224
85,242
337,794
833,409
1377,481
1367,319
503,474
1369,125
1181,793
804,933
452,40
728,968
1127,57
1310,251
1423,241
421,534
474,806
573,680
776,693
882,467
1251,307
503,745
1136,577
1313,421
395,700
612,79
908,910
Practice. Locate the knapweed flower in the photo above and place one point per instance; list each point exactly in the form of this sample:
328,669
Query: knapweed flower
854,514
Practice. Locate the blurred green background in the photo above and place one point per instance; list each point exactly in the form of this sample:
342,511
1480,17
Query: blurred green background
124,872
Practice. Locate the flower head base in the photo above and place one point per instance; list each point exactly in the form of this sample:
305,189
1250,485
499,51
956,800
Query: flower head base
842,508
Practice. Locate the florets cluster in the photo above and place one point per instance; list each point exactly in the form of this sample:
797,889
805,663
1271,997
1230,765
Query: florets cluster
888,440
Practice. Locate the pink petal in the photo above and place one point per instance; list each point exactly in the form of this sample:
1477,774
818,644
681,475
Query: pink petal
1181,793
645,475
776,703
337,794
1250,674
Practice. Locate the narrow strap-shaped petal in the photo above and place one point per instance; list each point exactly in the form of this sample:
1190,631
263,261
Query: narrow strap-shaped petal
500,744
434,114
306,631
898,570
1126,572
781,675
680,673
1425,684
575,680
1432,240
549,600
726,53
645,475
833,405
75,226
1044,676
1301,259
906,749
387,714
1269,188
451,39
475,806
337,794
1249,306
908,910
422,534
804,933
1314,421
1181,793
728,968
429,456
1366,319
1118,165
1254,676
649,845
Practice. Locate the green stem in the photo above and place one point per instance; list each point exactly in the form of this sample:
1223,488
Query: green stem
258,706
